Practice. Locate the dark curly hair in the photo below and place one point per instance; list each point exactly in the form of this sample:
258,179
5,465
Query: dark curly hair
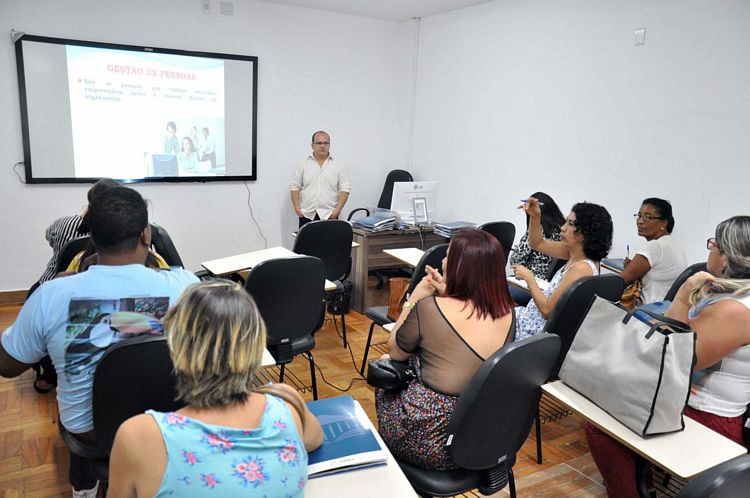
594,223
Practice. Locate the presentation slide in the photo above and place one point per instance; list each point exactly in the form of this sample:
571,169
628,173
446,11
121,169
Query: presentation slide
136,115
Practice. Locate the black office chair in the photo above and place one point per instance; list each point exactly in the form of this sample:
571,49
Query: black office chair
379,314
503,231
69,251
132,376
162,243
396,175
331,242
290,297
554,267
491,421
686,273
727,480
566,317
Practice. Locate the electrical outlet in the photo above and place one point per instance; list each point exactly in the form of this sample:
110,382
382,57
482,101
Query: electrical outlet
640,37
227,8
206,6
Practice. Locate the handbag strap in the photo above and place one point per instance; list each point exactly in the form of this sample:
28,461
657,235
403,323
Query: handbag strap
661,320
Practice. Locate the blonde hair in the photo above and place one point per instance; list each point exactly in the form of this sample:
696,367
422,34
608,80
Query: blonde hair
216,339
733,240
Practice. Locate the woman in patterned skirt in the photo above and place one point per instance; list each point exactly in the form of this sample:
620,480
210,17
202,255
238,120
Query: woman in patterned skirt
449,325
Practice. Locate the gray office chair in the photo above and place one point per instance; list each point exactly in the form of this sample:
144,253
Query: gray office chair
728,480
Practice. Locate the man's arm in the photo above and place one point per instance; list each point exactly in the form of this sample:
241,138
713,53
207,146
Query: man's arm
343,196
9,366
296,204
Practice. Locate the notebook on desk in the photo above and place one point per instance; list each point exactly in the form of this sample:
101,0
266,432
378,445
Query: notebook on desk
348,441
543,284
614,264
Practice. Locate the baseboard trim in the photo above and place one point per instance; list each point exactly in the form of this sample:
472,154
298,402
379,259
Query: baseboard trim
13,297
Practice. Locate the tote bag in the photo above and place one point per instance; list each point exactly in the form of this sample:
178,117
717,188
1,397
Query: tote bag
637,372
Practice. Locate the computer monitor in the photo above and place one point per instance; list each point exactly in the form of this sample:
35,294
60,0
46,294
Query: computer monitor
415,197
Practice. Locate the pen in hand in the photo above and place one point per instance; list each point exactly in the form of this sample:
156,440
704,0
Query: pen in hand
526,200
627,251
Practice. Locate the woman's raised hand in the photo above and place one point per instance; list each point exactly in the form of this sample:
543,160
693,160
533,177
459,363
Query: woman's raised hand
532,207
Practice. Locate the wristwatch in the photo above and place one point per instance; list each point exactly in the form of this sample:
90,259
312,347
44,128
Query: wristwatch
408,305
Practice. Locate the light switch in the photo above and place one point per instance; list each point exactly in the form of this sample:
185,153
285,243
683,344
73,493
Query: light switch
640,37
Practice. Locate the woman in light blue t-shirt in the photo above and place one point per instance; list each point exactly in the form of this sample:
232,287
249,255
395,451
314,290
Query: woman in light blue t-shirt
230,439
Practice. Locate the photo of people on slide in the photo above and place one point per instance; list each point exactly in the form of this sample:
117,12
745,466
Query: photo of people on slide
147,114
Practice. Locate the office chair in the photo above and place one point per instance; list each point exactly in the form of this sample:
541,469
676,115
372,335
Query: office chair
331,242
162,243
503,231
727,480
133,375
396,175
290,297
69,251
379,314
566,317
491,421
686,273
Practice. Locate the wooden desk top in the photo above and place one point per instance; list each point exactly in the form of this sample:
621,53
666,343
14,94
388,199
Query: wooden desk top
408,255
232,264
685,454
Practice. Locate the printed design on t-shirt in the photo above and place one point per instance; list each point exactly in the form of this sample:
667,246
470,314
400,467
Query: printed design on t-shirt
289,453
95,324
251,471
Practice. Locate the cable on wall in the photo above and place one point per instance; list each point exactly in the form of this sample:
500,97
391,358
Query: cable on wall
15,170
252,216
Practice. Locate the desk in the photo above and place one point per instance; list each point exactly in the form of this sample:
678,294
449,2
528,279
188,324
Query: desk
407,255
615,265
369,482
684,454
370,256
232,264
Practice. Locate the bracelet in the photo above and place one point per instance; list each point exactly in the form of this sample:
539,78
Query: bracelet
408,305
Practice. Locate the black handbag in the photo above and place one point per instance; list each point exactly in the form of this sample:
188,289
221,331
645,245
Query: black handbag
390,374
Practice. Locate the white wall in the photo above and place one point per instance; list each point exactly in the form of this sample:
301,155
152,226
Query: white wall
349,75
524,95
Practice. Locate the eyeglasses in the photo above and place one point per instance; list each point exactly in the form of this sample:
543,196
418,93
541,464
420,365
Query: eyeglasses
646,217
322,143
711,243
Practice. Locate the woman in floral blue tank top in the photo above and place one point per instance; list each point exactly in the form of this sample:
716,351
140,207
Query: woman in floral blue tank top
229,440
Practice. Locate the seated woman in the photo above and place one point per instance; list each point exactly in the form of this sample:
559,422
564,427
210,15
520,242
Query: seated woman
585,238
661,260
717,306
228,436
187,159
539,263
450,325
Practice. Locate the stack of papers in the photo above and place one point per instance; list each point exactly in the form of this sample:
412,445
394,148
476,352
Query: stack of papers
543,284
448,229
348,442
375,223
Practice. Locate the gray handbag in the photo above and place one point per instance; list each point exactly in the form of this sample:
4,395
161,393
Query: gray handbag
637,372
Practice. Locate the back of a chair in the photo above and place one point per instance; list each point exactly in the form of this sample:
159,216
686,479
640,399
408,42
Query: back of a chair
289,294
396,175
331,242
554,267
503,231
494,414
573,304
727,480
686,273
163,244
69,251
132,376
432,257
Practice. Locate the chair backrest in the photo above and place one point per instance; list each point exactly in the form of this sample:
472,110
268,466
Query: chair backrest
503,231
686,273
554,266
163,244
132,376
573,304
432,257
69,251
396,175
727,480
331,242
289,294
494,414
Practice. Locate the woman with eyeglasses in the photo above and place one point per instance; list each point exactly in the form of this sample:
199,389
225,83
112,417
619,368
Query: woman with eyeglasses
658,263
585,238
716,304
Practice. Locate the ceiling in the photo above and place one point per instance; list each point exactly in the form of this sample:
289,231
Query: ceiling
393,10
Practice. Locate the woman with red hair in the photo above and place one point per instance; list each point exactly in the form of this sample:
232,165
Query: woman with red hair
449,325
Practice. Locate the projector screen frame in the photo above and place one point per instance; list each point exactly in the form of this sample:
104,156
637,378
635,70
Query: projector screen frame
31,179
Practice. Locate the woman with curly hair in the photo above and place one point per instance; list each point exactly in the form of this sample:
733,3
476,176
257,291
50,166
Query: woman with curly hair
585,238
229,439
716,304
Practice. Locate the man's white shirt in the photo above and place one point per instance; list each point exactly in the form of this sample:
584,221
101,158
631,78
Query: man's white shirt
319,186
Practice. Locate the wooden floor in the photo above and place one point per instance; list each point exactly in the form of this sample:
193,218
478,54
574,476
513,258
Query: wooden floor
34,460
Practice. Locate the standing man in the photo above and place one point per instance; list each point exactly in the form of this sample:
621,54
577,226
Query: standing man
320,185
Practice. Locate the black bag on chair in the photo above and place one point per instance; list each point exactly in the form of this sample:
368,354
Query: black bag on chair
390,374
